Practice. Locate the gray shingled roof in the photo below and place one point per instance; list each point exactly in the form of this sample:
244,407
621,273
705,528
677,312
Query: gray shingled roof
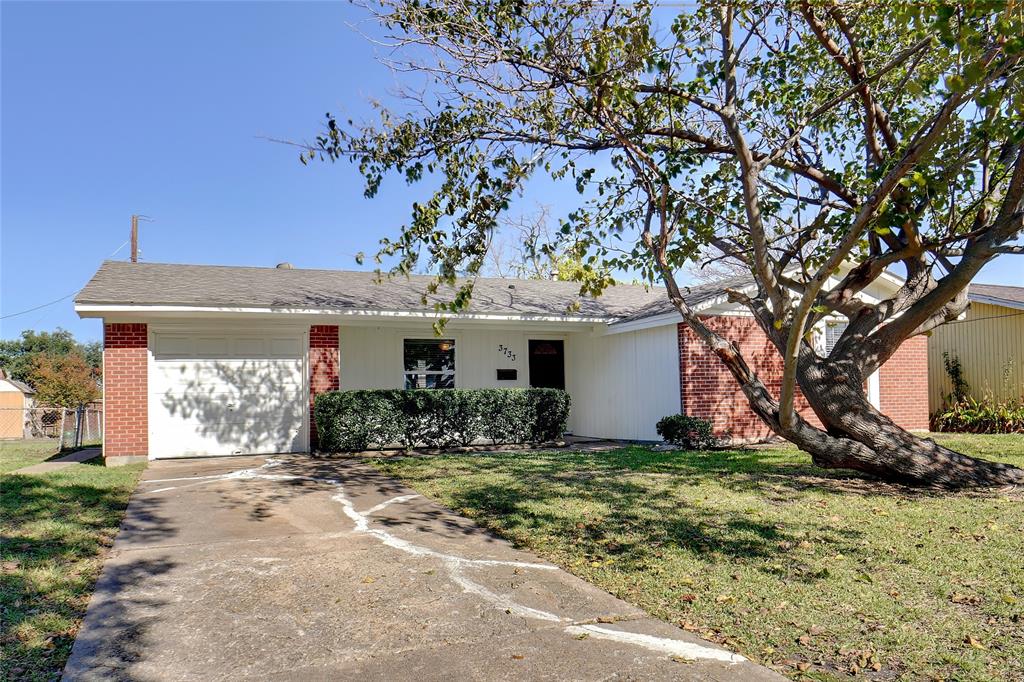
1014,296
121,283
694,296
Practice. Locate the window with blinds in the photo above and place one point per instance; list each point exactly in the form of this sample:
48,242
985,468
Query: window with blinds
833,330
429,363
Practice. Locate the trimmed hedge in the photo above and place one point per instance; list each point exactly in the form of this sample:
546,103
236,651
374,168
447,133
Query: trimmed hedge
357,420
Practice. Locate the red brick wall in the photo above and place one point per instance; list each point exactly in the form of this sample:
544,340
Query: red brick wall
323,367
125,393
903,384
710,392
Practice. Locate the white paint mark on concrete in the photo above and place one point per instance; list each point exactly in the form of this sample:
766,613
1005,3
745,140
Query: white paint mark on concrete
673,647
385,503
362,525
455,566
501,601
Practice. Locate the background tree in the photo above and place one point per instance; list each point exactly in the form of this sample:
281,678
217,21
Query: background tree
816,145
17,356
523,248
63,380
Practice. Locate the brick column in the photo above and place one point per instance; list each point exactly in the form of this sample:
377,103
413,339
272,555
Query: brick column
125,391
323,367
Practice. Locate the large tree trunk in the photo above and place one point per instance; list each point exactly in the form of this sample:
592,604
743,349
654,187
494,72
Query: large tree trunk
856,435
835,393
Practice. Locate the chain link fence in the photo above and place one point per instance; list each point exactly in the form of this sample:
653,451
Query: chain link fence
68,427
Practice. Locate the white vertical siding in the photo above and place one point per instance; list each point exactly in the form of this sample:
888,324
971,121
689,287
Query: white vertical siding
371,357
990,345
622,384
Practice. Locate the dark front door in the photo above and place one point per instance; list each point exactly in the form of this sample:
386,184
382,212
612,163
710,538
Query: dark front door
547,364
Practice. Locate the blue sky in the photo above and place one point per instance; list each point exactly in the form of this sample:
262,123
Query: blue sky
109,109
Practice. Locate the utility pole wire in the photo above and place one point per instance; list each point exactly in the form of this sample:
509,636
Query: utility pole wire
23,312
63,298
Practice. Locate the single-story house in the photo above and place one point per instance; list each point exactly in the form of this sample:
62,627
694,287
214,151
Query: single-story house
989,342
212,360
16,399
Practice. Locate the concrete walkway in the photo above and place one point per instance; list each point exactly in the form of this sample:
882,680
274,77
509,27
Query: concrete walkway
296,568
69,460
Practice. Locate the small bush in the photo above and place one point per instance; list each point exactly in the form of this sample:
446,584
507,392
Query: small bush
969,415
689,433
357,420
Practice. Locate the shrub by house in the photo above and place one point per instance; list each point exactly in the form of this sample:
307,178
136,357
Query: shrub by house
357,420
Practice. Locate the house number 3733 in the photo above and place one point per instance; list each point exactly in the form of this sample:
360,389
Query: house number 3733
507,352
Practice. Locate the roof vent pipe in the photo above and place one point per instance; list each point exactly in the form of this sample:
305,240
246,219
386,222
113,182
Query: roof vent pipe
284,266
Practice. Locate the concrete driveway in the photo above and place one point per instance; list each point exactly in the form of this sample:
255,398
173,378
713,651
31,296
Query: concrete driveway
298,568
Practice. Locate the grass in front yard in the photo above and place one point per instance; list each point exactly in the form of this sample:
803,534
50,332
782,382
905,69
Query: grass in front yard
55,528
816,573
15,454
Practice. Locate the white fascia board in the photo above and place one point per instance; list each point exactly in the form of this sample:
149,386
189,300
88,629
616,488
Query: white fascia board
719,305
992,300
672,317
145,311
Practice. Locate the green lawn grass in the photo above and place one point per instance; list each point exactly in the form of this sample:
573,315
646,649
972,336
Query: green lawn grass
55,530
15,454
818,574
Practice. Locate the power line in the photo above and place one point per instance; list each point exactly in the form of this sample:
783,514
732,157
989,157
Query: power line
38,307
990,317
62,298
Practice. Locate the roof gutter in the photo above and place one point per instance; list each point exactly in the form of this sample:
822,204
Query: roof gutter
995,300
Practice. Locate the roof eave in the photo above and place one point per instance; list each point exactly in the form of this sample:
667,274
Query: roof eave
88,309
995,300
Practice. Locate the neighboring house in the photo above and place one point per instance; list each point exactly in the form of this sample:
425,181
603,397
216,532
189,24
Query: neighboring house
988,340
16,400
209,360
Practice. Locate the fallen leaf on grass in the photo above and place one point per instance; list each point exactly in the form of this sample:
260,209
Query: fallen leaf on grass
971,641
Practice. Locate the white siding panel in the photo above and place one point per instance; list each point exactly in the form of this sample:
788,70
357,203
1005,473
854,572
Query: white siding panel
622,384
371,357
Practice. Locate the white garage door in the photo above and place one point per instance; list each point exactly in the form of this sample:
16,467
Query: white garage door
227,394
